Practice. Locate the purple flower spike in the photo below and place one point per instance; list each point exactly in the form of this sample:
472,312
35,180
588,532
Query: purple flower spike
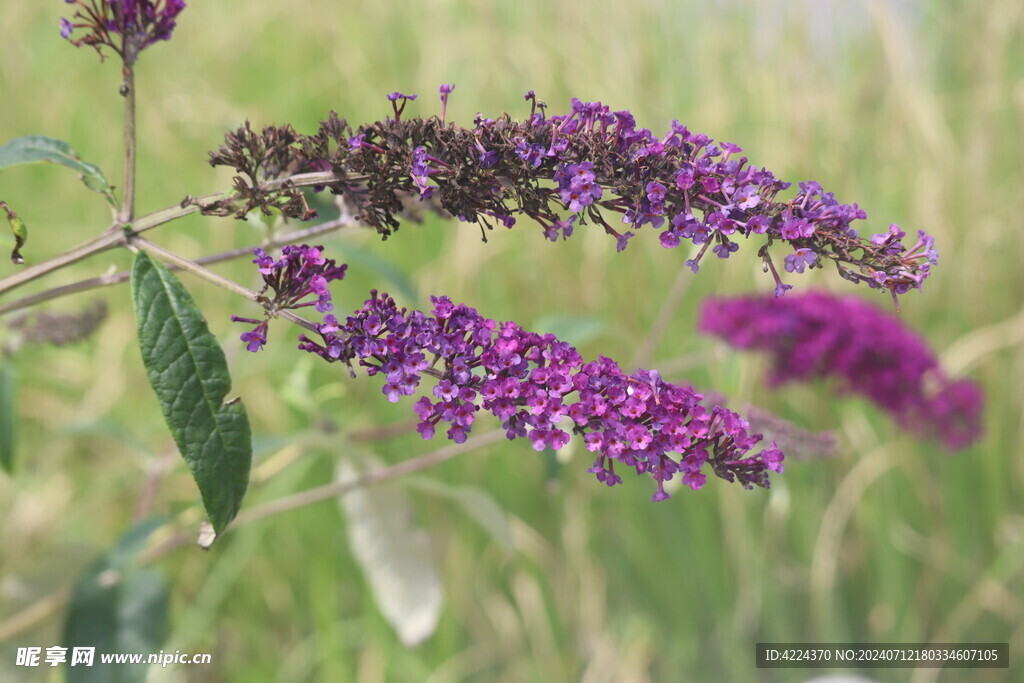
530,382
868,351
591,162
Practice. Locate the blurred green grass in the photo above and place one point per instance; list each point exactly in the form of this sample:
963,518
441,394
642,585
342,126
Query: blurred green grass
914,110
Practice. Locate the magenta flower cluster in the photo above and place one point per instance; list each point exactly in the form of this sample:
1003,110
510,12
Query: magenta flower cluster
565,171
534,384
298,279
869,351
126,26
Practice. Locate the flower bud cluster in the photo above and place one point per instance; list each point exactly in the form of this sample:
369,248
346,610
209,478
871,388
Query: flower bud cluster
567,170
301,272
536,384
867,350
125,26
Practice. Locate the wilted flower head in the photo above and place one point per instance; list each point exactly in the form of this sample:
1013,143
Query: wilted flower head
531,382
125,26
298,279
869,351
591,162
59,329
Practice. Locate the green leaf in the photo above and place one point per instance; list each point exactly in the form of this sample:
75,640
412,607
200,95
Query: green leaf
394,555
8,419
189,373
33,148
117,607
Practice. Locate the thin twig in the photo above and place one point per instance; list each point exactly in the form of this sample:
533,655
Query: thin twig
222,282
192,267
155,473
84,250
335,489
50,604
114,237
387,431
125,275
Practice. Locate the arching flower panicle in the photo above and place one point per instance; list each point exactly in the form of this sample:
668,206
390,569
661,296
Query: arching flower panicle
579,167
532,382
867,350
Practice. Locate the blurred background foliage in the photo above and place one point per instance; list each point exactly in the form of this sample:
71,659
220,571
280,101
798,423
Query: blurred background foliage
912,109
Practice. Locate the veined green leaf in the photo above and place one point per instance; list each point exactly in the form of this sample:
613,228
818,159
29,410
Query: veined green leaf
189,373
33,148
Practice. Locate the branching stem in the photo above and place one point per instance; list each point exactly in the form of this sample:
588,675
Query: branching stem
124,275
213,278
114,237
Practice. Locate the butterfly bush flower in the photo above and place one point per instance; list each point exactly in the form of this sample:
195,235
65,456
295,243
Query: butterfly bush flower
532,382
298,279
580,168
398,102
125,26
869,351
445,91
